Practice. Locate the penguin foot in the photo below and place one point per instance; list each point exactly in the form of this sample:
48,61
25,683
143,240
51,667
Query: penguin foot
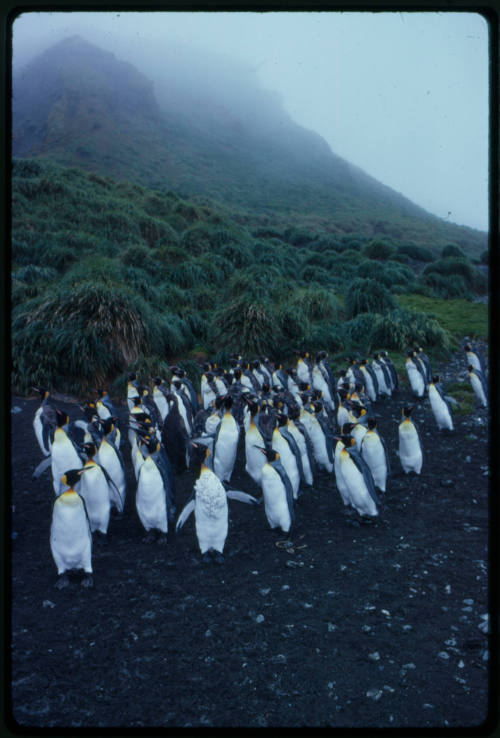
100,538
117,514
353,522
62,581
162,539
87,580
218,557
206,558
149,537
367,521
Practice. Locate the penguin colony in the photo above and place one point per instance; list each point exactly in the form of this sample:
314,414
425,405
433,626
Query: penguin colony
292,423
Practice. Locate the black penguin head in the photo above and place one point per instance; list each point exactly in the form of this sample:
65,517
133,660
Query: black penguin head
61,418
209,375
467,347
470,368
255,363
265,387
207,366
90,449
407,410
304,387
136,400
109,424
228,402
132,376
342,373
435,379
71,477
372,423
237,373
294,412
270,454
153,445
157,381
44,392
282,419
317,405
347,428
177,383
219,401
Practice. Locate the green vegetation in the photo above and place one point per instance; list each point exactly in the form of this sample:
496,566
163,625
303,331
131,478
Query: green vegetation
110,277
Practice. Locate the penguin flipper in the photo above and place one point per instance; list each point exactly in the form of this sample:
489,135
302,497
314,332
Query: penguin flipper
185,513
42,466
235,494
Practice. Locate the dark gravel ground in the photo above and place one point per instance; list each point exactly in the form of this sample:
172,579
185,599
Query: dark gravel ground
375,625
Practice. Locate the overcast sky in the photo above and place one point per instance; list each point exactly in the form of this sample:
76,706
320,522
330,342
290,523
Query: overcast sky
404,96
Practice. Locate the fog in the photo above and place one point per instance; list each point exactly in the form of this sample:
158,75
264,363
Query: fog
404,96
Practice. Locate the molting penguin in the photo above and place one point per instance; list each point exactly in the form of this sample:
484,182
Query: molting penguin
479,384
209,504
440,406
410,448
277,492
70,535
44,422
374,452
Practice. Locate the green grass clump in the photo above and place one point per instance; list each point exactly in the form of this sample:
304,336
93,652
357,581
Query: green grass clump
416,252
367,296
245,324
452,266
459,317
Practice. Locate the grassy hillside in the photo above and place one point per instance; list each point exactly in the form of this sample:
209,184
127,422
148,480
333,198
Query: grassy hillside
109,276
80,106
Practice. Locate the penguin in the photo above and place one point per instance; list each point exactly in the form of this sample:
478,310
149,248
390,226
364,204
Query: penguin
342,407
320,435
410,447
277,493
94,488
339,479
209,502
279,378
321,383
303,368
353,373
479,384
70,534
183,404
416,374
187,387
369,379
175,436
426,363
285,445
44,422
110,458
475,358
254,440
151,496
374,452
225,443
441,408
63,453
160,392
358,419
304,445
209,391
394,379
132,390
383,374
357,478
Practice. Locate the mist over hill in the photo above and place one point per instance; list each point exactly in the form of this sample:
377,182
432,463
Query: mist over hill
198,126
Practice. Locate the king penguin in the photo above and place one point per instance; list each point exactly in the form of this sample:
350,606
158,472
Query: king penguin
440,406
410,448
357,479
416,374
277,493
225,444
479,384
70,535
63,453
374,452
475,358
109,457
209,504
151,496
94,488
44,422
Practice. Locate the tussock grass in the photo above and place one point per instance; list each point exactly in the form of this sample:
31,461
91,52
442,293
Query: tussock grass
459,317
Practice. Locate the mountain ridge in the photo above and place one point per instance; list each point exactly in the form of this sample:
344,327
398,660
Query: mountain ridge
82,106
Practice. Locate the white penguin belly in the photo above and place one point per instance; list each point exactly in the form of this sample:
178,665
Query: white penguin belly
440,409
275,502
410,452
63,458
150,500
70,539
382,384
225,448
373,453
